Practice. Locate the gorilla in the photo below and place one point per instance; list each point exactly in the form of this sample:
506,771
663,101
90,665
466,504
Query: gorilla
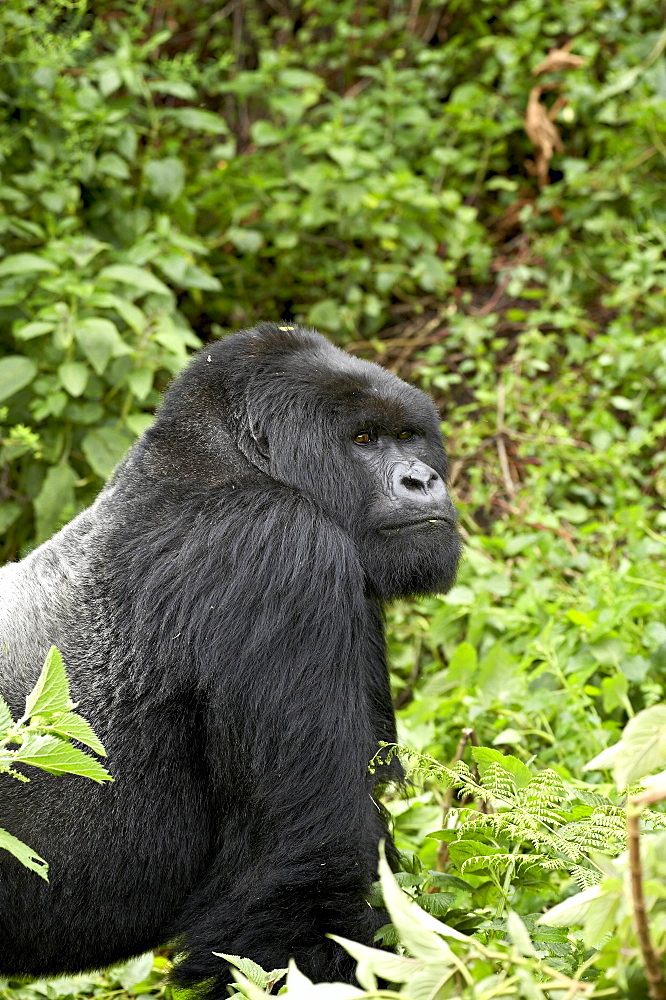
220,612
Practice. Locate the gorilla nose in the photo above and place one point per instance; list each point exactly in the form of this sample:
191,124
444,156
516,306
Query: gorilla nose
416,481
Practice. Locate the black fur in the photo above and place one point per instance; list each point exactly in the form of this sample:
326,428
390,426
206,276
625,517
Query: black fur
219,609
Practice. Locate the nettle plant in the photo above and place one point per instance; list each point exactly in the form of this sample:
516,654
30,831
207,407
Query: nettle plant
46,736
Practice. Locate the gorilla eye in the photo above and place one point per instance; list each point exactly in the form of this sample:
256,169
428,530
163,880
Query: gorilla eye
363,438
405,435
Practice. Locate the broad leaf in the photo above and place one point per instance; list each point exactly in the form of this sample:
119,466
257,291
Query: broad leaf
50,694
24,854
136,277
414,925
641,750
73,727
26,263
99,340
16,372
53,755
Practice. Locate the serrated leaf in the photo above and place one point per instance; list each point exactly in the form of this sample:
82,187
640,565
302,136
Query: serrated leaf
136,277
16,372
26,263
140,381
6,718
53,755
254,972
25,854
74,727
50,694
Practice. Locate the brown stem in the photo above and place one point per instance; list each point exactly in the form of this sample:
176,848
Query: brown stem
653,971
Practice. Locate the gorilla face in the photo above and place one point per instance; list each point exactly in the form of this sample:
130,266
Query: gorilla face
348,434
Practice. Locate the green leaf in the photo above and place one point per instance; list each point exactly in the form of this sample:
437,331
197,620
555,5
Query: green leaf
573,910
54,504
98,339
15,373
485,756
112,165
136,277
104,447
26,263
198,119
50,694
415,926
73,727
165,177
299,78
140,381
266,134
519,935
74,377
10,511
30,330
57,757
254,972
325,314
137,970
176,88
6,719
25,854
395,968
464,660
641,751
245,240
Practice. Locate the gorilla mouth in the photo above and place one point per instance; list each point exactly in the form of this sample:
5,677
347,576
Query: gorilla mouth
421,522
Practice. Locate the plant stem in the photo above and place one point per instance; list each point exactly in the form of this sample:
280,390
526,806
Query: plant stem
653,970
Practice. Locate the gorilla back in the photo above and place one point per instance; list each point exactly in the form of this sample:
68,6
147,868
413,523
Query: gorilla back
219,610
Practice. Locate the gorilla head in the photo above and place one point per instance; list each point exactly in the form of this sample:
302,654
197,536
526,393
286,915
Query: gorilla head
219,610
360,442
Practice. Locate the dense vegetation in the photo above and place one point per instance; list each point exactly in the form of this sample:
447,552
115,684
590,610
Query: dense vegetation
471,193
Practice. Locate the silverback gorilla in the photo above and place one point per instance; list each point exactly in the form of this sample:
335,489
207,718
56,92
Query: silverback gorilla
220,612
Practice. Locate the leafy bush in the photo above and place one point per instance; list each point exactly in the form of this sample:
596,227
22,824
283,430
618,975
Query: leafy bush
44,738
333,164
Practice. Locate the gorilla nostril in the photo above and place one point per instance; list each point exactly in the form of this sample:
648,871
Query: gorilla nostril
412,483
420,483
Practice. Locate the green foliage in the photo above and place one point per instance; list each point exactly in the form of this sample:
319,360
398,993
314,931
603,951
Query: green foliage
367,168
141,977
42,738
338,165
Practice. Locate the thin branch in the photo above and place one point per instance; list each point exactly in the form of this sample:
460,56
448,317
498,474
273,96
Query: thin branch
653,970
